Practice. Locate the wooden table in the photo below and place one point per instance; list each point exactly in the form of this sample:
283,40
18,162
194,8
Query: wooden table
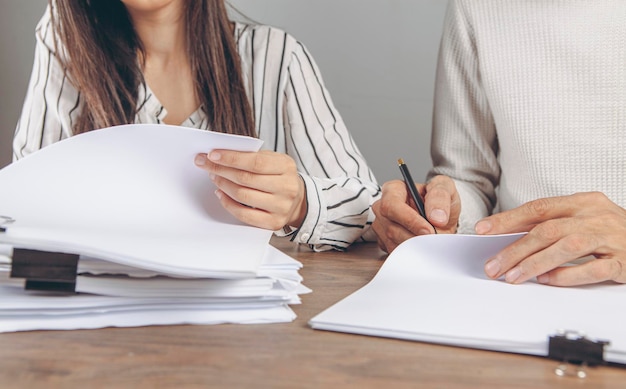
288,355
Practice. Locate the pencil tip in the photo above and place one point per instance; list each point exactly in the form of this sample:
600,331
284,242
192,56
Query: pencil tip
400,161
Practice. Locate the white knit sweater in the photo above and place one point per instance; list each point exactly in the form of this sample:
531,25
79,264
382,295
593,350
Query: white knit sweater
531,102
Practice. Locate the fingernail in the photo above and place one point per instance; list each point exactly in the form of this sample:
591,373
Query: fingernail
439,216
199,160
218,193
215,156
492,268
512,275
483,226
212,176
544,278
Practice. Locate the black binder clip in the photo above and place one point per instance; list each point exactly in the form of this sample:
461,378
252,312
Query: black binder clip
44,270
4,222
575,352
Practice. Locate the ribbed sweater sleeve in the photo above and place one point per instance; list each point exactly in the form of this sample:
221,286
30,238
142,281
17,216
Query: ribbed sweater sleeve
530,102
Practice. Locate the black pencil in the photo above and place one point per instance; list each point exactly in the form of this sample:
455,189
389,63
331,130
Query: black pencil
410,184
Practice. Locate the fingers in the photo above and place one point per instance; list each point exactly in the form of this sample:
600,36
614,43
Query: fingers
548,250
263,189
249,197
396,221
591,272
390,234
394,206
261,171
545,247
262,162
261,209
526,216
442,203
249,215
560,230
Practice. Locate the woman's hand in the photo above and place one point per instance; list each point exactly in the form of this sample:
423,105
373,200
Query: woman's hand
398,220
561,229
262,189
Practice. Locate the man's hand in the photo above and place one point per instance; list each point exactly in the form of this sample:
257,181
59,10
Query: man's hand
560,230
398,220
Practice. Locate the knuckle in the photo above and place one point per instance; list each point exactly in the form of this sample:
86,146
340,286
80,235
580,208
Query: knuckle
606,271
437,192
289,163
595,197
438,179
385,207
258,162
245,177
215,168
577,244
548,231
617,271
242,195
292,188
230,158
538,207
390,187
530,268
442,182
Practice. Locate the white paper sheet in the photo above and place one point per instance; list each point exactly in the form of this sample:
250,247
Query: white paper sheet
433,289
132,195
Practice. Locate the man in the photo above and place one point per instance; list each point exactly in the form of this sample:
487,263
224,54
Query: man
529,134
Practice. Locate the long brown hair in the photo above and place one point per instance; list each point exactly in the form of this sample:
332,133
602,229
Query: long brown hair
103,54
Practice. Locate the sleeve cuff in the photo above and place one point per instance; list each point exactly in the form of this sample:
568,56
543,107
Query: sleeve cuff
311,229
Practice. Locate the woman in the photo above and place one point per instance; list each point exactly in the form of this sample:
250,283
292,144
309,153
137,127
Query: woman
100,63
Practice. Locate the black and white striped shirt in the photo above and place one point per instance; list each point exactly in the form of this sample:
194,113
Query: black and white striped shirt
293,111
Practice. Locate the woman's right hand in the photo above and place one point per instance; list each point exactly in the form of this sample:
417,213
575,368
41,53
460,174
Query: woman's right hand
397,220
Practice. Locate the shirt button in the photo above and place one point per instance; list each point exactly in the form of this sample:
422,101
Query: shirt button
304,237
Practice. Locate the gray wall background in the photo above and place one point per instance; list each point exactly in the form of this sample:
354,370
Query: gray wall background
377,58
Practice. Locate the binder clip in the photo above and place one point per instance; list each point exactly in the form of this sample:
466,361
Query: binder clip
44,270
575,352
4,222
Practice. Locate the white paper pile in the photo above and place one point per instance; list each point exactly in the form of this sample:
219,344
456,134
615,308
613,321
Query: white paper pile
155,245
121,296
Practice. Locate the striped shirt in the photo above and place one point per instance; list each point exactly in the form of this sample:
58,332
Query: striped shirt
293,113
531,102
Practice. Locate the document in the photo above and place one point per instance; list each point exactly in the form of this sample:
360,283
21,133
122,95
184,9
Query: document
153,243
131,194
433,289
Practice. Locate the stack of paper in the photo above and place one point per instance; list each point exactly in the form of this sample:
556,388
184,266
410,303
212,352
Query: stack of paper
433,289
155,245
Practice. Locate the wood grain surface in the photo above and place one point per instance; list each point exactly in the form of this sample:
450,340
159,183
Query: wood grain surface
290,355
